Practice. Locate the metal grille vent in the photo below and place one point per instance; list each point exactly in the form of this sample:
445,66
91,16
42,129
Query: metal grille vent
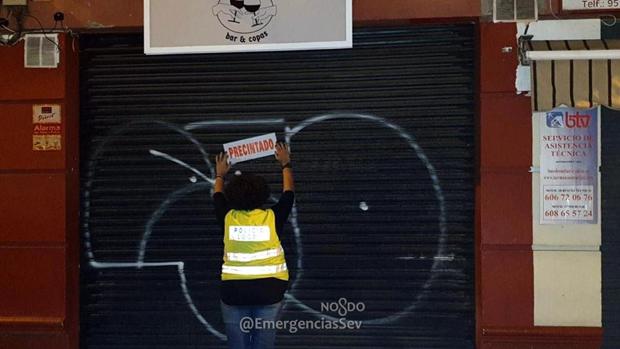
515,10
41,51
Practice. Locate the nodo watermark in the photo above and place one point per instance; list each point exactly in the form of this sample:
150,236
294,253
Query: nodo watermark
342,307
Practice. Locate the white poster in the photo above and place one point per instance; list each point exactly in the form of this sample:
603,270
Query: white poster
569,166
210,26
251,148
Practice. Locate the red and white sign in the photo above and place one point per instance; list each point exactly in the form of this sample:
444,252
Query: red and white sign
251,148
47,127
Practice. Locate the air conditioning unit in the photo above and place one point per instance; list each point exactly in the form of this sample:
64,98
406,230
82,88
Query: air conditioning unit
515,10
41,51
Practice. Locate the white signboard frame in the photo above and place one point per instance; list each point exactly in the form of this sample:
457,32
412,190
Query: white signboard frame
251,148
590,5
569,166
150,49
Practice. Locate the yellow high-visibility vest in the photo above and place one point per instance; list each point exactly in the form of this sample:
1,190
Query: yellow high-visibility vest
252,249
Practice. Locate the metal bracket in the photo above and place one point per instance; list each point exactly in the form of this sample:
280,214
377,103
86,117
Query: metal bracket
523,48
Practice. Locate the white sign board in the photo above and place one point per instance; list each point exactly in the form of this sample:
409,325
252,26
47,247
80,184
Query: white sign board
569,166
251,148
209,26
584,5
46,114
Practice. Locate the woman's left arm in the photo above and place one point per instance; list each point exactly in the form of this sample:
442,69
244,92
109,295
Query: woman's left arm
219,200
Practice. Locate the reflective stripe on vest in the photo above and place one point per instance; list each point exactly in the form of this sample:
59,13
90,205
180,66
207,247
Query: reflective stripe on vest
248,257
260,270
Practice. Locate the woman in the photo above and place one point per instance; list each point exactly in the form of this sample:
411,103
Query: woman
254,273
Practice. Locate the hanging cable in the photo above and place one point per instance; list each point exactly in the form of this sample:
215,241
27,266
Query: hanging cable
8,29
16,35
613,18
59,17
43,31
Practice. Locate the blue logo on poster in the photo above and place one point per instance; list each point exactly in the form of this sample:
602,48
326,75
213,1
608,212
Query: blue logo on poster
555,119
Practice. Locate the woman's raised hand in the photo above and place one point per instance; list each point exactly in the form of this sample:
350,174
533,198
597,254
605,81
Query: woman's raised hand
221,164
283,155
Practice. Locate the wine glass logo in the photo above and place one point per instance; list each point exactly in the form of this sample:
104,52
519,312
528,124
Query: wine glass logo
245,16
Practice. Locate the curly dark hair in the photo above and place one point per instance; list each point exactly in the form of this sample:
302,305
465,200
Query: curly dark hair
247,192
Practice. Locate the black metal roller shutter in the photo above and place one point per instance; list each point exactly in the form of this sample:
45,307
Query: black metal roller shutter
383,145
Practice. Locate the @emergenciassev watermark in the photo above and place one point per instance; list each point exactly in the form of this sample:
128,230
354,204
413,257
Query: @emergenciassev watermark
342,307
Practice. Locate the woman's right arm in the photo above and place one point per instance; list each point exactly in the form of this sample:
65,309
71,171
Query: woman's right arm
283,208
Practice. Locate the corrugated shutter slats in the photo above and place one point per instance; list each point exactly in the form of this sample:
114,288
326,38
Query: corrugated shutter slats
383,143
